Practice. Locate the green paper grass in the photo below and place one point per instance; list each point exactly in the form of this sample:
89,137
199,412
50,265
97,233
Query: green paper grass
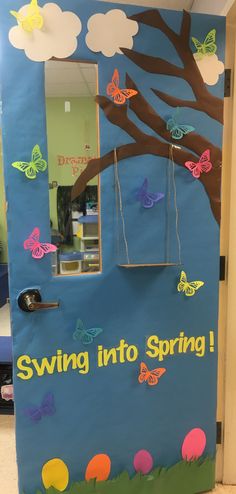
182,478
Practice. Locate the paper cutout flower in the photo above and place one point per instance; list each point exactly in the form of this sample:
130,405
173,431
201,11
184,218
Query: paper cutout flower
210,67
55,474
194,445
143,462
98,468
109,32
57,38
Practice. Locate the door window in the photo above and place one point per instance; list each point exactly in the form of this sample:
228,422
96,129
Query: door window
72,132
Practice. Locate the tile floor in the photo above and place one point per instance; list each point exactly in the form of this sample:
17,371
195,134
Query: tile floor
8,473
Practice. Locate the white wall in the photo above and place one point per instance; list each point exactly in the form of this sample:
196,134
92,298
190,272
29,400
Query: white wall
217,7
162,4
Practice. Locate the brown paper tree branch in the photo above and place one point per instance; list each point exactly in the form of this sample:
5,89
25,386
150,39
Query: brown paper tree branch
145,112
153,65
192,145
175,102
208,103
148,146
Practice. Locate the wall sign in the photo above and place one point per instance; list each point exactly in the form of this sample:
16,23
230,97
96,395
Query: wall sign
75,162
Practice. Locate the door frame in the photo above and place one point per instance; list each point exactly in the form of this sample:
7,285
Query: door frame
226,406
227,316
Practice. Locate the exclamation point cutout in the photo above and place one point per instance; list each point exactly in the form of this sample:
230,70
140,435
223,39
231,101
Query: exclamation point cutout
212,341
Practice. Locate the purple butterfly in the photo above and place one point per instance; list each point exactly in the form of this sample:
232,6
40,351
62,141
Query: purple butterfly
148,199
47,408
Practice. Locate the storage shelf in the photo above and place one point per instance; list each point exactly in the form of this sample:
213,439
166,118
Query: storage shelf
93,218
91,260
89,238
162,264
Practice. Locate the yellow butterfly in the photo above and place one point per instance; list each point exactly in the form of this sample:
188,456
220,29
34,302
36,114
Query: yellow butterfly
189,288
31,168
32,20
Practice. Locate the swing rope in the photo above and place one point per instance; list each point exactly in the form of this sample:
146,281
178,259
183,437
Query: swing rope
171,181
119,204
171,185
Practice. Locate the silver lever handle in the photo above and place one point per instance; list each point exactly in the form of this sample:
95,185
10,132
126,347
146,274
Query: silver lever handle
31,300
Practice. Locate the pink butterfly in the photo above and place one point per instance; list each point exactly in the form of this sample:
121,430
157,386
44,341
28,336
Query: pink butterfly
37,248
203,165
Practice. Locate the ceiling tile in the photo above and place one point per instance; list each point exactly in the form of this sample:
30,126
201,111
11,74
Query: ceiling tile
69,79
89,75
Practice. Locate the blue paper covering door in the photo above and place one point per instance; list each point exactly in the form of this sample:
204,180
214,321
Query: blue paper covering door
115,390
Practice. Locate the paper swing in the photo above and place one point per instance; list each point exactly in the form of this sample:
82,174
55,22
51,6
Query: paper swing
171,255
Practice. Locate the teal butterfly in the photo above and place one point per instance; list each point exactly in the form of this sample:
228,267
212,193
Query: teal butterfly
86,336
178,131
208,47
36,165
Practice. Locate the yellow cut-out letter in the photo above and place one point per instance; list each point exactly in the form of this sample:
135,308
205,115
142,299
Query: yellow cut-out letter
153,346
46,365
27,371
83,362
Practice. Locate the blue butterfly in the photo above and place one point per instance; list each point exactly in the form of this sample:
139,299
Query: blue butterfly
146,198
86,336
178,131
47,407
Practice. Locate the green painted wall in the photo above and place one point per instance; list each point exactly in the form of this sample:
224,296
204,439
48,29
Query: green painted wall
3,227
68,133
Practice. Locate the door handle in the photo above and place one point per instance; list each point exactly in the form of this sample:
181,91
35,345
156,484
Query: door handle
31,300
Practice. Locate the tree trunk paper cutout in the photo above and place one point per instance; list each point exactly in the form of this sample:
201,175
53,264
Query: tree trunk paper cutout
193,145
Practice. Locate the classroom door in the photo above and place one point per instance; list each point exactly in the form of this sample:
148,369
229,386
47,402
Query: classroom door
113,280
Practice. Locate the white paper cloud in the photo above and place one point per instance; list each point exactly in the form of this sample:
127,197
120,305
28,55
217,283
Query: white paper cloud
109,32
210,67
57,38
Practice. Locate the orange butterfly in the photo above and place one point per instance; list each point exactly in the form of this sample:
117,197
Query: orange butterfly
120,95
151,377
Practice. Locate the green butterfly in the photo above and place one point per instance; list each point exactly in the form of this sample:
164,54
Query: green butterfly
208,47
36,165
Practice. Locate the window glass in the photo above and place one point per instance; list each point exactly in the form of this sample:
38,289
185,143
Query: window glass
72,132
